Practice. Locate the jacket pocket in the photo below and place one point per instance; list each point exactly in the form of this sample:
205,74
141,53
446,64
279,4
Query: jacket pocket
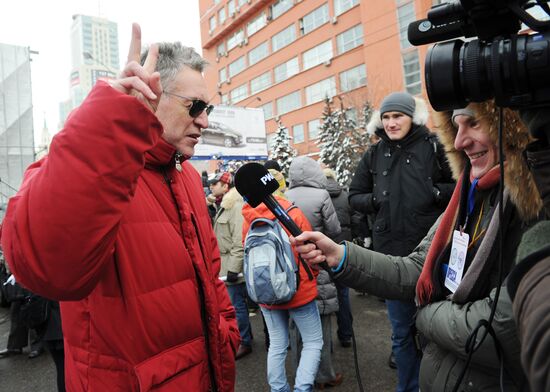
183,367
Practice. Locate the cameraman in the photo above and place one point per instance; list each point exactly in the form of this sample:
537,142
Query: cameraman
449,313
529,282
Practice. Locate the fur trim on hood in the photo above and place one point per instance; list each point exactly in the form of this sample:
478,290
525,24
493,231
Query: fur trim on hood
420,117
230,198
517,177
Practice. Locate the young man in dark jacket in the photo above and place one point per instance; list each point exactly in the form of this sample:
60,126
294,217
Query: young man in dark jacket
404,182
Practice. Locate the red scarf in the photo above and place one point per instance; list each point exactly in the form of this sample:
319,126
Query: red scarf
425,284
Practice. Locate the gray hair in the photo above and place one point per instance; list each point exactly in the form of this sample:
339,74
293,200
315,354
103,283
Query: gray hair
172,57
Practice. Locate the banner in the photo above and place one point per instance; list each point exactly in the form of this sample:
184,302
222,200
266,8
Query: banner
233,133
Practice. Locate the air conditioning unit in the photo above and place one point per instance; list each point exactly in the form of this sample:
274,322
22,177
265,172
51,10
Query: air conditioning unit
232,14
334,20
217,59
220,84
210,32
249,1
245,41
228,81
238,9
225,54
241,43
327,62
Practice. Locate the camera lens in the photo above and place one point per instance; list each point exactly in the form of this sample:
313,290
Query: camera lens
514,70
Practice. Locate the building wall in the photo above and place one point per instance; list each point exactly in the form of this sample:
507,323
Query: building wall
389,61
16,119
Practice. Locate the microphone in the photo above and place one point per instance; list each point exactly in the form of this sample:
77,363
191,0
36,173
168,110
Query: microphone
256,185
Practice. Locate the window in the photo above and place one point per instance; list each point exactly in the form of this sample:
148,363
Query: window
221,49
298,133
313,128
222,74
231,7
320,90
405,15
260,83
212,23
268,110
286,70
224,99
221,15
239,93
280,7
353,78
317,55
350,39
411,70
242,2
235,39
314,19
260,52
236,66
256,24
288,103
283,38
341,6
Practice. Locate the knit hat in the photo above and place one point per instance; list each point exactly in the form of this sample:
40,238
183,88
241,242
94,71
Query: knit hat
224,177
272,164
398,102
464,111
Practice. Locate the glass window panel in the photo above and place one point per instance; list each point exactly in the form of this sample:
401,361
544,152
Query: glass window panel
286,70
317,55
256,24
280,7
260,52
405,15
236,66
288,103
353,78
320,90
298,133
268,110
260,83
283,38
341,6
314,19
350,39
313,129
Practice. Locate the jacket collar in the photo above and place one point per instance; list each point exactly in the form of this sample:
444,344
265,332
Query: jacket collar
162,154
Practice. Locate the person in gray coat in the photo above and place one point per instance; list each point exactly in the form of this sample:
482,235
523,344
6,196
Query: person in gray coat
454,273
308,191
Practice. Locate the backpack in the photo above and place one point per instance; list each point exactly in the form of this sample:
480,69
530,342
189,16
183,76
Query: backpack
271,272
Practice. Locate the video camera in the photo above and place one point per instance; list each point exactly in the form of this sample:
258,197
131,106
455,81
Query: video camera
512,68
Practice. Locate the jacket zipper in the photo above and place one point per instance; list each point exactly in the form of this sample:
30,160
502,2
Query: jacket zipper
204,316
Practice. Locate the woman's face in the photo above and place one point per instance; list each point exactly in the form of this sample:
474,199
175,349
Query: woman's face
472,138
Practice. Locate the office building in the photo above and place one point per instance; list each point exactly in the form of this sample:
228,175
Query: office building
286,56
94,56
16,119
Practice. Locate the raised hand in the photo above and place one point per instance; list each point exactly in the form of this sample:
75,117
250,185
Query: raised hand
318,248
139,80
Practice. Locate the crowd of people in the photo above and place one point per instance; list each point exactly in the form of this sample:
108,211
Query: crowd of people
127,234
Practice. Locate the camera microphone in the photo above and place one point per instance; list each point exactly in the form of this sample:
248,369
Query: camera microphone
256,185
423,31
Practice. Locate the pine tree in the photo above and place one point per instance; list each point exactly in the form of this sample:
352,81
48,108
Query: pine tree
366,115
327,133
282,151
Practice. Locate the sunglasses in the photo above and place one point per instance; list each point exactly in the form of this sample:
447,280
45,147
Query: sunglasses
197,105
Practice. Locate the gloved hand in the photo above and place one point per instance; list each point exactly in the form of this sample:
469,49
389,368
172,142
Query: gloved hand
232,277
210,199
367,242
538,122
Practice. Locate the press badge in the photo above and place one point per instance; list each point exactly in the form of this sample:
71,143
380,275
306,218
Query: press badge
459,250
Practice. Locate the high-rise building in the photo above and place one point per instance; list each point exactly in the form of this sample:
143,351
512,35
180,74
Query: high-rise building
286,56
94,56
16,119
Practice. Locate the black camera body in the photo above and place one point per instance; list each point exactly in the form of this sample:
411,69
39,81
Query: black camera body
513,68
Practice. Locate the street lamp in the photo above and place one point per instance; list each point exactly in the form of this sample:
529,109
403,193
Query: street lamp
89,56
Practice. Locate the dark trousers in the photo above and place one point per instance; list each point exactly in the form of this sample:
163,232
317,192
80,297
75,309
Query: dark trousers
55,348
343,316
19,332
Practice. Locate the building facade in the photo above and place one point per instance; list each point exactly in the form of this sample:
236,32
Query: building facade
94,56
286,56
16,119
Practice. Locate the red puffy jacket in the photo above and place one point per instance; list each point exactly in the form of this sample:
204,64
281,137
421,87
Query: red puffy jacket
106,224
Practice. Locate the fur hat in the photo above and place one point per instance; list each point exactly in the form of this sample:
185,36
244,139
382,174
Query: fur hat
518,178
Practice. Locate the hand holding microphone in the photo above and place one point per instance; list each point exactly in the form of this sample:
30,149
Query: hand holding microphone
256,185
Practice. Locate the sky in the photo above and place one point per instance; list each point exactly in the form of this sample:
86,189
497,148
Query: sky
45,26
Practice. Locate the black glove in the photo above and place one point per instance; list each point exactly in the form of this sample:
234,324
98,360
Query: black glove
232,277
538,122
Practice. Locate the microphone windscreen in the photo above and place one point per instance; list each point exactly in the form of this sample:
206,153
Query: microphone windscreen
255,183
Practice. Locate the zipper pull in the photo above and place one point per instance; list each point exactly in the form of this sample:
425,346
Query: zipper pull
177,158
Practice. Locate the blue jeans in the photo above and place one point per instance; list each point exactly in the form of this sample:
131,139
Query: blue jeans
308,322
401,315
237,295
343,316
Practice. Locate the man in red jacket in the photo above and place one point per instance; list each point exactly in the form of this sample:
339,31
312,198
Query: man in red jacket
113,224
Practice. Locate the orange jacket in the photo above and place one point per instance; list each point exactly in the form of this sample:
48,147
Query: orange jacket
307,290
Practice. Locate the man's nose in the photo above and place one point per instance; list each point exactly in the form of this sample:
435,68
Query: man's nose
462,138
202,120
